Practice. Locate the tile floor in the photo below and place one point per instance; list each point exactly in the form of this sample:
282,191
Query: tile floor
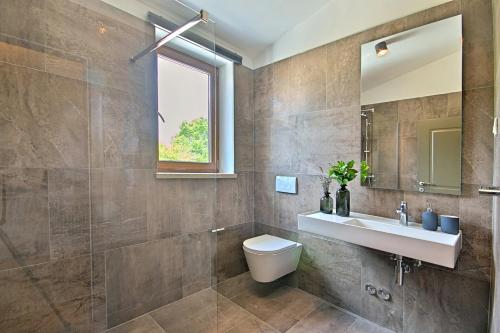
240,305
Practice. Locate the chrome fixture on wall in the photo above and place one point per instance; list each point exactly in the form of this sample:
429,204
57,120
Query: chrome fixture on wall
366,119
202,17
492,190
404,266
380,292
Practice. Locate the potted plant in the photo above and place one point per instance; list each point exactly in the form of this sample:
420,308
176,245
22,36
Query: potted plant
326,202
343,173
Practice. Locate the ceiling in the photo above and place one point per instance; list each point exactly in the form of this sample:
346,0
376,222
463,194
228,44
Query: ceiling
251,26
266,31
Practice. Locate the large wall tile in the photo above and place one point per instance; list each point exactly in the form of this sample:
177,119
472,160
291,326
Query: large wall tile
164,208
285,210
378,270
24,217
69,211
196,262
276,144
437,13
99,315
264,197
230,260
263,83
118,198
244,143
198,205
128,138
50,297
227,212
108,50
477,139
478,46
244,92
44,118
319,145
307,79
331,270
23,20
245,205
143,277
22,53
440,301
343,73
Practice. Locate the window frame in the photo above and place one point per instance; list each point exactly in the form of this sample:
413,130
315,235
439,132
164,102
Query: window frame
213,72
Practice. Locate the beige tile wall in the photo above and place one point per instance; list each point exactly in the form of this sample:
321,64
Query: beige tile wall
307,115
89,238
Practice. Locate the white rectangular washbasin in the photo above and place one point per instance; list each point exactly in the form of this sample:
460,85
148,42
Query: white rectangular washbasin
386,235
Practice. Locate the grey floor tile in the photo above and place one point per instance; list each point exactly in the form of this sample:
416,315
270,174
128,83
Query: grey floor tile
255,308
143,324
207,312
365,326
325,319
280,307
252,324
192,314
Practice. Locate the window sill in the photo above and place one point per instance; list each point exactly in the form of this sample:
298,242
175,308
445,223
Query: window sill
188,175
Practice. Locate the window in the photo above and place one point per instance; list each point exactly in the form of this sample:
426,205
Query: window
187,128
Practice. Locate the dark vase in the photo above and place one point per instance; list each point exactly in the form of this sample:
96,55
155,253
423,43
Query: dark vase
343,201
326,204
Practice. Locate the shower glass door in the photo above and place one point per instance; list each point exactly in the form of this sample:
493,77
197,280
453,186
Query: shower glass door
90,236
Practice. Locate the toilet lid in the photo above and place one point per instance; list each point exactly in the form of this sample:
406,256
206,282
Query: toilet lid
268,244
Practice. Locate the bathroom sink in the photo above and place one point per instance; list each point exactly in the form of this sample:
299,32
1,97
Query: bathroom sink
386,235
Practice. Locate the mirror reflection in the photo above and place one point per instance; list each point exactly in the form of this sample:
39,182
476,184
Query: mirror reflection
411,117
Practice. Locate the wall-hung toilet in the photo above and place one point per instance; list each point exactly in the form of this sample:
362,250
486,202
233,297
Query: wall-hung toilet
270,257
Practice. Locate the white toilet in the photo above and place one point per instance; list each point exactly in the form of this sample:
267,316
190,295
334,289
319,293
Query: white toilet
270,257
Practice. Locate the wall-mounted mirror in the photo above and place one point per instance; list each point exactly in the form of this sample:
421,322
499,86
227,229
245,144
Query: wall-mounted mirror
411,114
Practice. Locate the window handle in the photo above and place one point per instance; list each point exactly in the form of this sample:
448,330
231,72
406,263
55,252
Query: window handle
161,117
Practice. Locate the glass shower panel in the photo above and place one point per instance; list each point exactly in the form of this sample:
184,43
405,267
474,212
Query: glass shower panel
90,238
45,261
153,248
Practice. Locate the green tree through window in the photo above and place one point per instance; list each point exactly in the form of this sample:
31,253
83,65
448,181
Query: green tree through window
190,144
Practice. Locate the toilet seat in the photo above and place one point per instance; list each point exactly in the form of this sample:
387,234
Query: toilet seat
267,244
270,257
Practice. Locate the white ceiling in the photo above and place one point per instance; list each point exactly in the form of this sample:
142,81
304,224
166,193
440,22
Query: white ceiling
265,31
252,26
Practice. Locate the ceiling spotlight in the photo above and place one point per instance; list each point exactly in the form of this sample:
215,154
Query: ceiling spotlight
381,48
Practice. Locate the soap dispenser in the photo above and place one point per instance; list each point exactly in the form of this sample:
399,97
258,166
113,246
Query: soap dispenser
429,218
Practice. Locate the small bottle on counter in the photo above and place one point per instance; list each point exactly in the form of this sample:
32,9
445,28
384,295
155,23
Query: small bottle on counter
429,218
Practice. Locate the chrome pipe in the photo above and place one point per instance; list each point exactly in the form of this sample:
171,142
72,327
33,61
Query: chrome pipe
492,190
202,17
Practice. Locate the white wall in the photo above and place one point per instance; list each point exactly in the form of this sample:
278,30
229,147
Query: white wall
339,19
435,78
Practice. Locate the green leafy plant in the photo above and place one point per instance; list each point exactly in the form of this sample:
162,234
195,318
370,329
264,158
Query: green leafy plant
344,172
325,181
189,144
363,171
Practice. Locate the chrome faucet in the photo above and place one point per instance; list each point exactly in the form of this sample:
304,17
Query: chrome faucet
403,213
